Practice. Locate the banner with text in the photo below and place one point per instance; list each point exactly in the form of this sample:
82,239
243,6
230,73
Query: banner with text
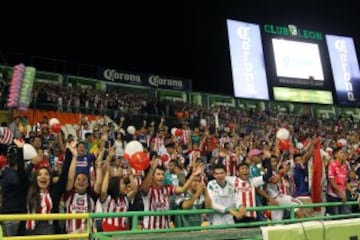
143,79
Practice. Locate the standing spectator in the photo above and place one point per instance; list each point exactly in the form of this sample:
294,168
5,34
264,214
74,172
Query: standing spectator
338,175
14,183
196,197
14,127
224,199
156,195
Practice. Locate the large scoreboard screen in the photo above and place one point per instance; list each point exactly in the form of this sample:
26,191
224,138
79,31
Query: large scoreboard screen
287,63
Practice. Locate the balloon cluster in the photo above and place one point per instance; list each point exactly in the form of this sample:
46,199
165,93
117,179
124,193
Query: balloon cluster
21,86
26,89
55,125
284,142
134,153
15,86
177,132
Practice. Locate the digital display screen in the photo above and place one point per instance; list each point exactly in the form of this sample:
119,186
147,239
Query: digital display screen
297,59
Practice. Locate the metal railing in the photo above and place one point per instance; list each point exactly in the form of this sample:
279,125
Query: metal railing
135,215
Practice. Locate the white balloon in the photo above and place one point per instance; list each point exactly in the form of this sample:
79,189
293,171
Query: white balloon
282,134
29,151
133,147
299,145
53,121
203,122
131,130
343,142
173,131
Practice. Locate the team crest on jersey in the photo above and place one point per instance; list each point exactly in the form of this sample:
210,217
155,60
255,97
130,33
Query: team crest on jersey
80,201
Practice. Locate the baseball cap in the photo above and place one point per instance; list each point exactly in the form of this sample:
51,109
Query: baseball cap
255,152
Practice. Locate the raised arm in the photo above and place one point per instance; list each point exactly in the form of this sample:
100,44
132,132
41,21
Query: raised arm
105,186
144,189
131,194
72,169
199,169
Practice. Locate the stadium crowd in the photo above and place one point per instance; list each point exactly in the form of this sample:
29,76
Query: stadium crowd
220,157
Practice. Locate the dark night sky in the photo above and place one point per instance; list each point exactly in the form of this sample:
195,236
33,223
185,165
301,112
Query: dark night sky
175,38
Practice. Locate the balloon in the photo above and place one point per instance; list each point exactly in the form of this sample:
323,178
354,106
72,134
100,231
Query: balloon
56,128
26,87
131,130
178,132
53,121
15,85
126,156
203,122
29,151
164,157
299,145
284,145
173,131
3,161
343,142
358,151
133,147
283,134
329,150
231,126
139,161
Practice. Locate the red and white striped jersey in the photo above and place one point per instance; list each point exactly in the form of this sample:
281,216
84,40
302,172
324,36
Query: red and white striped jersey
111,206
157,143
6,136
138,179
157,199
45,208
77,203
245,192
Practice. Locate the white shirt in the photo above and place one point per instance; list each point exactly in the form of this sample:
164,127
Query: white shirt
222,198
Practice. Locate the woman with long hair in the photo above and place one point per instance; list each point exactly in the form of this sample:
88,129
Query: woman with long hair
44,196
116,195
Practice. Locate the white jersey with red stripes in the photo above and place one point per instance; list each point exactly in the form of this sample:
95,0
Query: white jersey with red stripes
139,175
157,199
245,192
45,208
157,143
6,136
110,205
77,203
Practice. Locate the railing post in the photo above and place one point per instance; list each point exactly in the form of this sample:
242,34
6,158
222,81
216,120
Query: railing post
292,212
134,222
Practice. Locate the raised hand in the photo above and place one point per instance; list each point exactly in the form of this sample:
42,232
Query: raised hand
72,147
19,142
199,169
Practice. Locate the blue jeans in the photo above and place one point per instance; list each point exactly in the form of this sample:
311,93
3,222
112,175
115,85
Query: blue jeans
342,209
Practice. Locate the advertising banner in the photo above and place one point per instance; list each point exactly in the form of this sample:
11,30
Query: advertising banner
247,60
216,100
172,95
255,105
345,68
143,79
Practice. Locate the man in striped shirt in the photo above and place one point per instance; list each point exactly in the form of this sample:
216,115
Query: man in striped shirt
156,195
246,188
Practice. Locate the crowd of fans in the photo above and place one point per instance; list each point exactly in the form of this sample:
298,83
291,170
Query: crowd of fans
222,158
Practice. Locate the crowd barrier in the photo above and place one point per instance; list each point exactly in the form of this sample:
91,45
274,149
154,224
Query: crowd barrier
235,231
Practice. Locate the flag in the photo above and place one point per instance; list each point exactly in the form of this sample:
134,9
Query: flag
317,175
